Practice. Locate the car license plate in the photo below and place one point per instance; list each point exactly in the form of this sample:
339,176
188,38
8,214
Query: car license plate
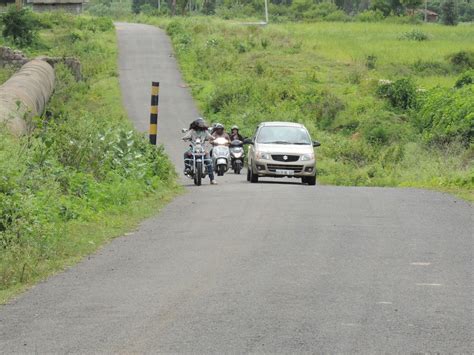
285,172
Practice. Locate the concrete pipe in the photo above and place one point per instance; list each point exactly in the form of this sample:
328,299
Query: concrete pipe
25,95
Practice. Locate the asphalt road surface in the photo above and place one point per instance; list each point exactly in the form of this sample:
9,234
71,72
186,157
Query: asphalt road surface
268,267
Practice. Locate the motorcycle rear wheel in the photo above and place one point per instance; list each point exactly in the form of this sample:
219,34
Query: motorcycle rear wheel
220,170
237,168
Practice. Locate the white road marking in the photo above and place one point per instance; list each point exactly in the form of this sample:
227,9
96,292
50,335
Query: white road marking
426,284
384,302
420,263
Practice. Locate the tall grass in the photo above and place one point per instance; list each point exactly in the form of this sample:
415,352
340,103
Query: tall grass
326,76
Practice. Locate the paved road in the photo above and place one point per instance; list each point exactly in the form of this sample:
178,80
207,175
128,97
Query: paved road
268,267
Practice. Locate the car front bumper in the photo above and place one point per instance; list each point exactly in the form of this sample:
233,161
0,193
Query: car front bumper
281,169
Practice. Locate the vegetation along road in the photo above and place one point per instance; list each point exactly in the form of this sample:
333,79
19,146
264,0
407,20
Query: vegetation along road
268,267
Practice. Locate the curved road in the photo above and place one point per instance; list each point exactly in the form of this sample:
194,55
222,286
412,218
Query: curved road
268,267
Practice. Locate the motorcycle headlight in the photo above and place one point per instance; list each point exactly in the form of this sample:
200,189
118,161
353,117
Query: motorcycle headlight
264,156
306,157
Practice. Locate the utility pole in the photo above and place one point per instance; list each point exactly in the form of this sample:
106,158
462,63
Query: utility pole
426,10
19,4
266,11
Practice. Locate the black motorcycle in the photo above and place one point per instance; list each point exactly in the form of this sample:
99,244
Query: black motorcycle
237,154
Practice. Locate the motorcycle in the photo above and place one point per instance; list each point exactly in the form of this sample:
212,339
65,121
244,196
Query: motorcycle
196,161
237,155
220,156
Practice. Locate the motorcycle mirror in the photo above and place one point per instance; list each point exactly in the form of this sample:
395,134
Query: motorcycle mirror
184,130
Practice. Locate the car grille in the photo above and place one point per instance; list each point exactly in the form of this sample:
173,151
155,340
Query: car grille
290,158
274,167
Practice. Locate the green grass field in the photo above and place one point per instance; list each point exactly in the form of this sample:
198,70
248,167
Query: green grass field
326,76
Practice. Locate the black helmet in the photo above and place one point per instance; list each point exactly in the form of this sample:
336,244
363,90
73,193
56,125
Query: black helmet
199,123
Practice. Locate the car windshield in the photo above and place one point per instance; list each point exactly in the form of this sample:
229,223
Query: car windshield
283,135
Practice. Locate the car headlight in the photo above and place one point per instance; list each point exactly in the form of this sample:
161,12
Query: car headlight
264,156
306,157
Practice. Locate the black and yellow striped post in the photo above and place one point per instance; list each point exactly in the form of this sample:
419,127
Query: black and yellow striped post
155,96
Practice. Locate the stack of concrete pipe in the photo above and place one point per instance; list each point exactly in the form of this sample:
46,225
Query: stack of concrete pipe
25,95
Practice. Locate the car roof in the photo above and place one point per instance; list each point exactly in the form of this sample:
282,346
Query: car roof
281,124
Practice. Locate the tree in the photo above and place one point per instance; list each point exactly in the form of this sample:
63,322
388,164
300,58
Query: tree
208,7
449,13
20,26
381,5
411,5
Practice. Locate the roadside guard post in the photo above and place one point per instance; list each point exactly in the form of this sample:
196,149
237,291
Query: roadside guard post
155,94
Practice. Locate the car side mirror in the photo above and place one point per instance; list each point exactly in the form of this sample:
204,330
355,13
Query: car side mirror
316,144
184,130
248,141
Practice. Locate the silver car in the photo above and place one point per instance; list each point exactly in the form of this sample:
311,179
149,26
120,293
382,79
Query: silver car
280,149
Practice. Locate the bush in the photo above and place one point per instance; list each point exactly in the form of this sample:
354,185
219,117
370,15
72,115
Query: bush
338,16
381,5
401,94
414,35
371,61
431,67
20,26
462,60
465,79
370,16
322,10
100,10
383,129
447,115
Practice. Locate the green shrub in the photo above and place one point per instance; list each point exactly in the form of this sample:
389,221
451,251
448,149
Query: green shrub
401,93
467,78
447,115
338,16
462,60
101,24
414,35
423,67
371,61
20,26
370,16
174,28
383,129
100,10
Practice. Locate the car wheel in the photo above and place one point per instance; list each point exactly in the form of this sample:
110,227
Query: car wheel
311,180
248,174
253,177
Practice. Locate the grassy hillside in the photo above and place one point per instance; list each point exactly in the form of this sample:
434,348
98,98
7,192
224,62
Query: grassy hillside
378,96
84,175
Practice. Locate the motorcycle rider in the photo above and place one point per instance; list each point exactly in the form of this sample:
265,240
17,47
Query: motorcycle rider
198,129
220,133
235,135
